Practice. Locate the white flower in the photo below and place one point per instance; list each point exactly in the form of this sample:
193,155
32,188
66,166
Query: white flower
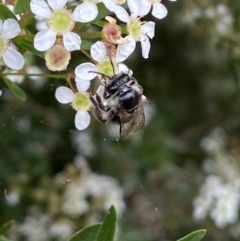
212,186
35,228
138,31
201,207
226,208
88,71
62,229
74,202
107,190
9,29
80,102
215,142
60,21
12,197
88,9
158,9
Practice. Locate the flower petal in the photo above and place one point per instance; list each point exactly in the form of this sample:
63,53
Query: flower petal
40,7
134,7
121,14
85,12
83,71
13,59
82,120
159,11
56,5
124,69
71,41
110,5
82,85
45,39
98,51
145,43
148,29
64,95
1,24
145,7
10,28
41,23
124,50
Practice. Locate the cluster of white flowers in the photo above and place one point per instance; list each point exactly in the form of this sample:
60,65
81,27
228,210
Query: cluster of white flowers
84,198
219,195
99,52
34,228
103,191
218,199
39,226
58,34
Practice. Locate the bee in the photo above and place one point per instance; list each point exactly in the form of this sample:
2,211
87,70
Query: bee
119,100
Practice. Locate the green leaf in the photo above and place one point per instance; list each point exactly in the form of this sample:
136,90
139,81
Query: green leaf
86,234
108,227
15,89
102,11
5,13
6,227
99,23
194,236
26,42
86,44
22,6
3,238
91,34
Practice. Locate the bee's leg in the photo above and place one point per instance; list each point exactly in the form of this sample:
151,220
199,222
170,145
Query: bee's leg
93,100
100,104
100,115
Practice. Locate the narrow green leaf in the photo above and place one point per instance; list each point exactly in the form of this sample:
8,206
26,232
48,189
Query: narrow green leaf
15,89
3,238
22,6
26,42
102,11
86,234
194,236
108,227
6,227
86,44
5,13
99,23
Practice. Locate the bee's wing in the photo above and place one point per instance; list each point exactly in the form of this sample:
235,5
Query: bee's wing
135,124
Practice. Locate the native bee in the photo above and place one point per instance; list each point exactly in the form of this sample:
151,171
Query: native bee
119,100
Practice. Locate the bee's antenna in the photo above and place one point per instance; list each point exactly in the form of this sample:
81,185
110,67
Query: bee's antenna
110,57
99,73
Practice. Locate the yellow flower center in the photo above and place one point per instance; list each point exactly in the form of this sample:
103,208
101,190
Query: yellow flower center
134,28
105,67
3,45
61,21
81,101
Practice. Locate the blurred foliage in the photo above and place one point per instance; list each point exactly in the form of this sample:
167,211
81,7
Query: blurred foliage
192,80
